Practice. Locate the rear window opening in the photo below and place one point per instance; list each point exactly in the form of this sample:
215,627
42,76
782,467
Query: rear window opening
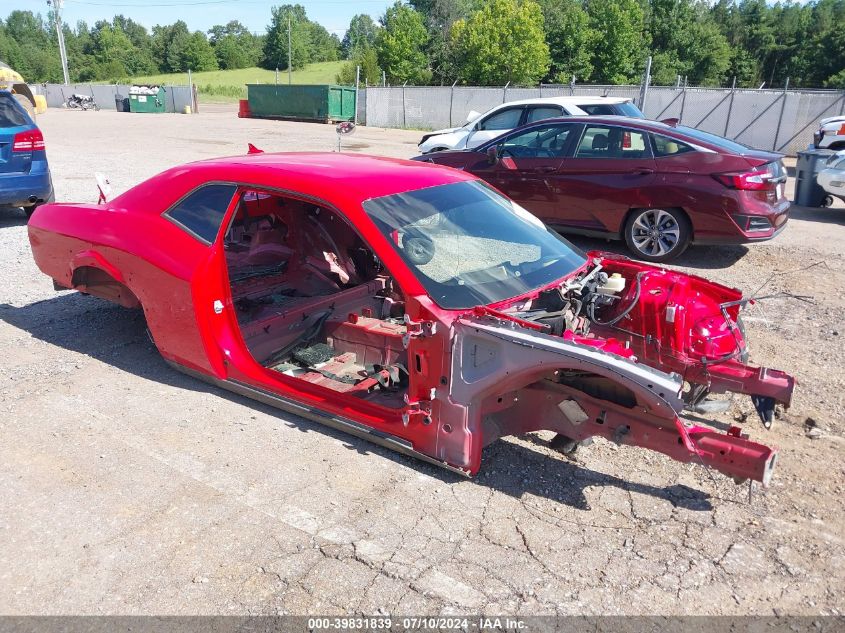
11,113
712,139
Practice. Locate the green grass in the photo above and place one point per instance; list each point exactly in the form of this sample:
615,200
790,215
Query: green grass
225,85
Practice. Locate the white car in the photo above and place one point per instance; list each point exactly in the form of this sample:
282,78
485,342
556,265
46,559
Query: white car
481,128
832,178
831,134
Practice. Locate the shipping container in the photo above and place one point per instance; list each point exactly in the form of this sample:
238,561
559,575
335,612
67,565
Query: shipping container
324,103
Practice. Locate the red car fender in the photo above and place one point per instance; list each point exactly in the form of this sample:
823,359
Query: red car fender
94,259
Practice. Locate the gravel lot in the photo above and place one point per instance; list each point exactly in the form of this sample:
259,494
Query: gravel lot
129,488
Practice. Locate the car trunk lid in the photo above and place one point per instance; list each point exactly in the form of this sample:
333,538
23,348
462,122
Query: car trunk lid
765,179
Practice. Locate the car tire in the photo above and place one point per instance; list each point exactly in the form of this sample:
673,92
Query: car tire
657,235
418,248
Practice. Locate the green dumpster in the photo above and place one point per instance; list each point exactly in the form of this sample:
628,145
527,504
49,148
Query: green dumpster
324,103
146,99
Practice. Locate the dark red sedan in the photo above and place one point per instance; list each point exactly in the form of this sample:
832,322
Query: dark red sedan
657,186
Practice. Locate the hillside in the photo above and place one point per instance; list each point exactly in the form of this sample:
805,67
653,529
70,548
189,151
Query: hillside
230,84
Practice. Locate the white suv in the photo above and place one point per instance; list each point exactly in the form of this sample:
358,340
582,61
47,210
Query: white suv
481,128
831,134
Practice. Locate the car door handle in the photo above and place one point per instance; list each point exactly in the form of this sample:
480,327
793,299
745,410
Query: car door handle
548,169
645,171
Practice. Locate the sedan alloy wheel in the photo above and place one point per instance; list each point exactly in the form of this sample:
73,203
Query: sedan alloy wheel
657,235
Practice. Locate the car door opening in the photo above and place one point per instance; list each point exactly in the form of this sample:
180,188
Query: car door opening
312,301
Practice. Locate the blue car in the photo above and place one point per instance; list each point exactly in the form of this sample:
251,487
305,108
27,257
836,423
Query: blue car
24,173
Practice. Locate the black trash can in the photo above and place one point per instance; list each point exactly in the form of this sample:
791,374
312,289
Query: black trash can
810,162
121,103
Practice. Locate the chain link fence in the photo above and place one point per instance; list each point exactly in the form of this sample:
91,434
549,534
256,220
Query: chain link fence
780,120
105,95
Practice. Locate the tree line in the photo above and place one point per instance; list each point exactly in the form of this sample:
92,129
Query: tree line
475,42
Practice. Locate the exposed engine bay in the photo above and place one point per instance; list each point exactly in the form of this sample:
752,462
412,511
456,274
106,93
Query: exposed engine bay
674,322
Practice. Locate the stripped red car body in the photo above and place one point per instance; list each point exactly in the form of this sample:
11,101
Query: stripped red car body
305,297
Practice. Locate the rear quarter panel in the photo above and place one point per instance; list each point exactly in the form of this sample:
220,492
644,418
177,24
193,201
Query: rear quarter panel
152,257
686,181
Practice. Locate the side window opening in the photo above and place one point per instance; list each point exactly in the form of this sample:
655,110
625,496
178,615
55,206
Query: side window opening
665,146
201,212
544,112
312,300
504,120
540,142
598,109
600,141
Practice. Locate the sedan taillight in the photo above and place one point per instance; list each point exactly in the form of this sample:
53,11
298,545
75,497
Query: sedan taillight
747,181
30,141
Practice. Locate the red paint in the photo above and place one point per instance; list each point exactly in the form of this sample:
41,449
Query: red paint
179,281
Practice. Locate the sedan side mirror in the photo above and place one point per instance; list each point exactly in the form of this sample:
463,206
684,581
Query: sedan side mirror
492,154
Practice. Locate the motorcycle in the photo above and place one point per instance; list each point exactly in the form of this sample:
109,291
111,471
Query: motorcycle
83,102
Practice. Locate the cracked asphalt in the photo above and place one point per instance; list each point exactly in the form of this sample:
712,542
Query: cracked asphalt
129,488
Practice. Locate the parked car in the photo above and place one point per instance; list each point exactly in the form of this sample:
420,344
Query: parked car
24,173
832,177
831,133
412,305
657,186
481,128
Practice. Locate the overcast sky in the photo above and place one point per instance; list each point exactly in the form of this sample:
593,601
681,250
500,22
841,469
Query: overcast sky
203,14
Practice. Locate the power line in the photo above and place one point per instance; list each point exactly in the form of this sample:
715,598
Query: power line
192,3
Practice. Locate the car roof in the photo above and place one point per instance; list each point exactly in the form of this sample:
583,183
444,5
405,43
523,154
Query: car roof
569,100
657,127
609,119
337,178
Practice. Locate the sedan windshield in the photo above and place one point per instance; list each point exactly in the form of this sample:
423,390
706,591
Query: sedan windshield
470,246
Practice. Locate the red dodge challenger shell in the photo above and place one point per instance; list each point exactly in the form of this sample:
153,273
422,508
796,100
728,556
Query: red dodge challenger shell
412,305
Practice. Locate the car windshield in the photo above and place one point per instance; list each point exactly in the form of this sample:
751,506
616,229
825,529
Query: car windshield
470,246
712,139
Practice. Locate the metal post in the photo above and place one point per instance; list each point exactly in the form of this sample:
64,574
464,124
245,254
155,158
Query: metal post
683,102
505,93
60,38
383,78
451,101
572,87
404,109
646,82
780,118
290,61
730,107
357,82
277,75
842,107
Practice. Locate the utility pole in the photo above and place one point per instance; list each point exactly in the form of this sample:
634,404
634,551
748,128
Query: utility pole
290,61
646,82
60,36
